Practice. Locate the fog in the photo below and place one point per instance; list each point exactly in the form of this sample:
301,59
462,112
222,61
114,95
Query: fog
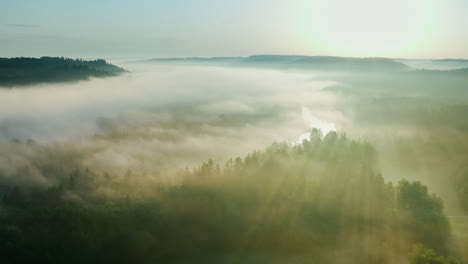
61,111
346,145
163,117
172,116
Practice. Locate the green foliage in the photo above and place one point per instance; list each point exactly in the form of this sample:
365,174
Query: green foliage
423,255
462,186
423,215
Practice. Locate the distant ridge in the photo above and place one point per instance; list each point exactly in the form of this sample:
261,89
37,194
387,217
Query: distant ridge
454,72
28,71
298,62
437,64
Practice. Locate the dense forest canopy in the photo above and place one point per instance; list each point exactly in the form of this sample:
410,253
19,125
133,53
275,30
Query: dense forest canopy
323,201
28,71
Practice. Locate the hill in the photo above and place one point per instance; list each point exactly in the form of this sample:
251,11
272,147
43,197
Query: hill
440,64
27,71
297,62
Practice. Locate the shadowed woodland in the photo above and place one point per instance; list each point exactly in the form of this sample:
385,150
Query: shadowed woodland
321,201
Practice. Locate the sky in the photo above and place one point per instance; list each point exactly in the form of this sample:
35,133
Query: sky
182,28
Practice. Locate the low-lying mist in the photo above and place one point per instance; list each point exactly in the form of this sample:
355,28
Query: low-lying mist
238,150
162,117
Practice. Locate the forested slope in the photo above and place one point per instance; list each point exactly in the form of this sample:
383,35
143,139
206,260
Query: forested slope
28,71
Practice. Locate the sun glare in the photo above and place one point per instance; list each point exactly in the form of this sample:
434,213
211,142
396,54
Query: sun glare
366,27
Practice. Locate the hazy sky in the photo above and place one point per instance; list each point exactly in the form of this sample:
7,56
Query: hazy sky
177,28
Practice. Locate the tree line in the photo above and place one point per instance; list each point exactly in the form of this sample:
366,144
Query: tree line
28,71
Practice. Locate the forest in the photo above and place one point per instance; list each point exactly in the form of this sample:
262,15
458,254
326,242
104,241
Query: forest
197,163
29,71
321,201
